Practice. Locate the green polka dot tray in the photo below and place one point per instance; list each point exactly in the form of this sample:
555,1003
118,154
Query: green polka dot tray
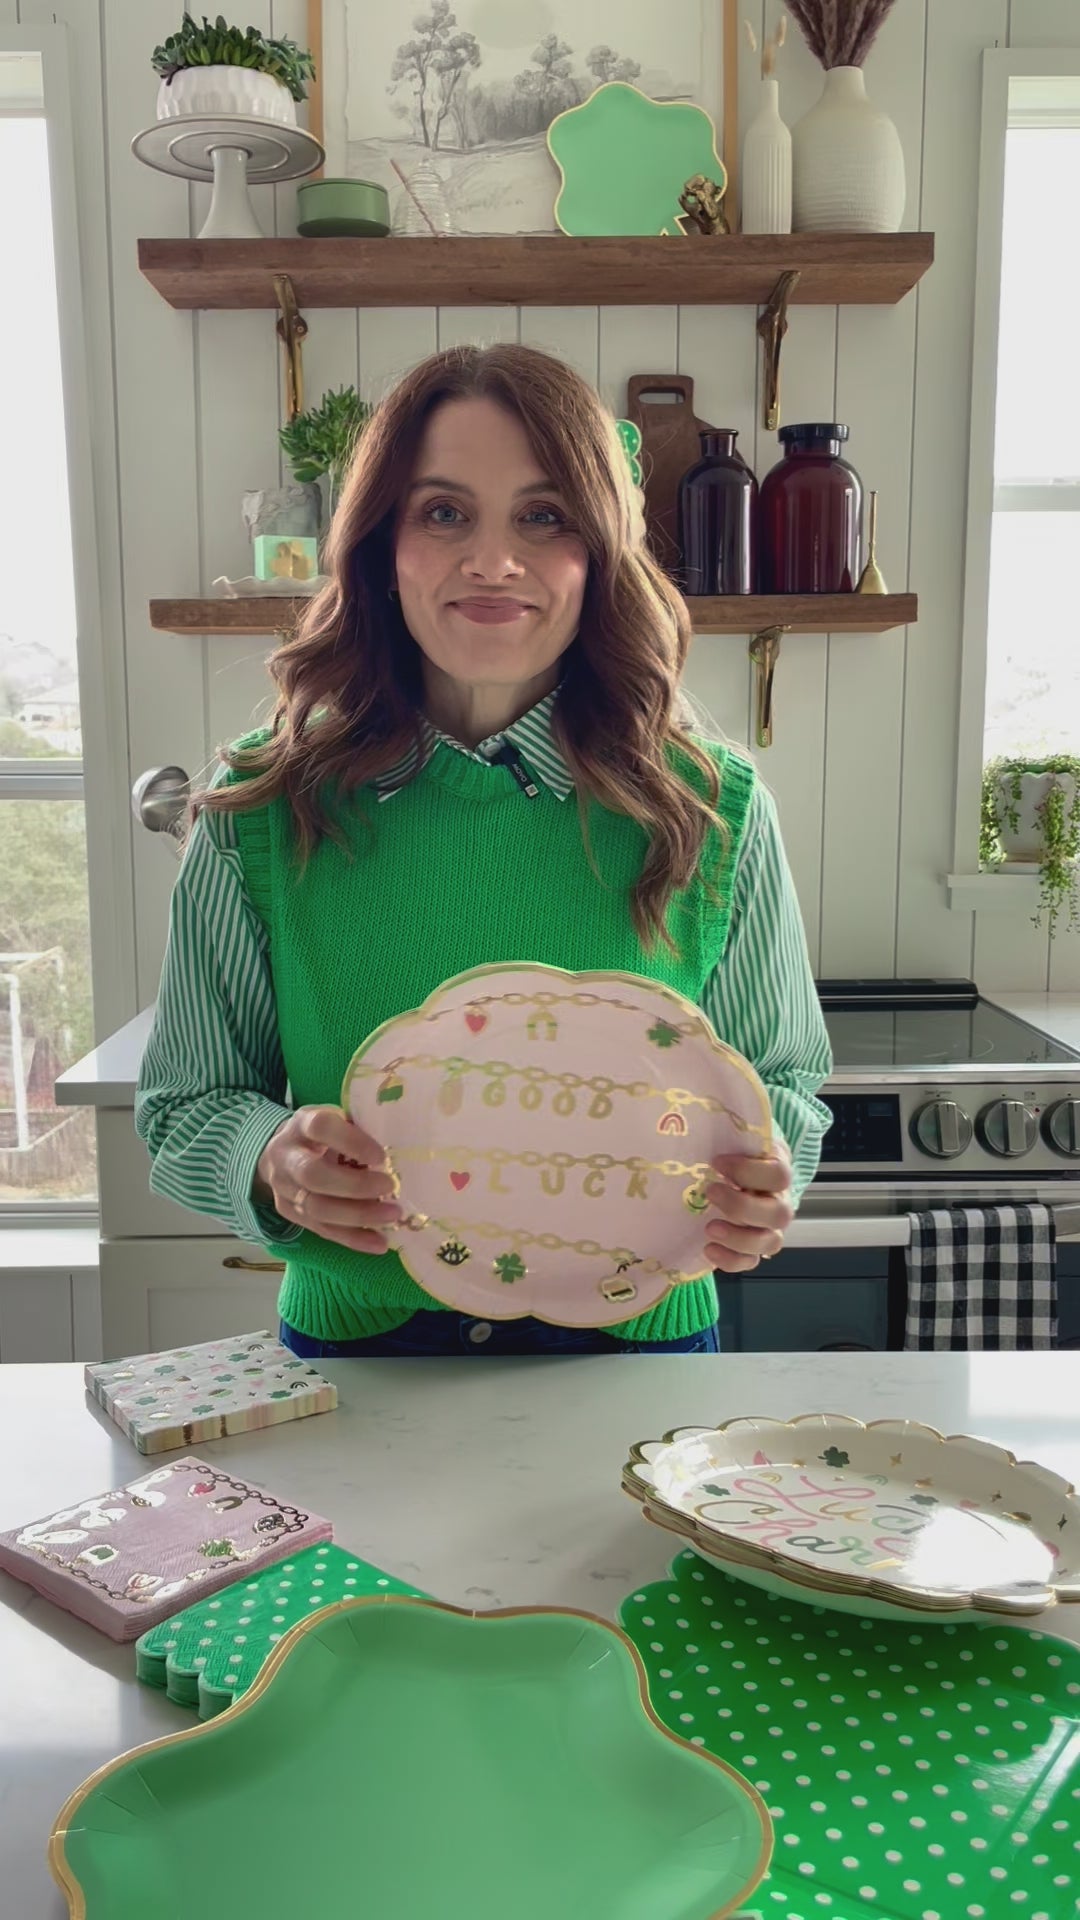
207,1656
912,1772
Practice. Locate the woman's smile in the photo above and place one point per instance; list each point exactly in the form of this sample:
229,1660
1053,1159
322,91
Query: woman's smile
492,612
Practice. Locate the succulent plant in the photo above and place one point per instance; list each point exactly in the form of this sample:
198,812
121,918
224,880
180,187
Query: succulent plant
216,44
321,440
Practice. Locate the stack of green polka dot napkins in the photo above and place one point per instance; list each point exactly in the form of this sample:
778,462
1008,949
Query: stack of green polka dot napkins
207,1656
912,1772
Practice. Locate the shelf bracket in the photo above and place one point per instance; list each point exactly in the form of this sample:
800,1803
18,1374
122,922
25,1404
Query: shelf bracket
772,326
291,331
765,652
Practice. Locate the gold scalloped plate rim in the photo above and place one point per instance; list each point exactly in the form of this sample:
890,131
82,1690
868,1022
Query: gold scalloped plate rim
71,1887
611,977
925,1602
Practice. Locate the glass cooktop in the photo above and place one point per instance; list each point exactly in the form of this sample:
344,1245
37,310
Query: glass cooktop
913,1024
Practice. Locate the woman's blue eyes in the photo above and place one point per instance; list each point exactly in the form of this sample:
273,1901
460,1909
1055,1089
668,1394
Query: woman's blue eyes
442,514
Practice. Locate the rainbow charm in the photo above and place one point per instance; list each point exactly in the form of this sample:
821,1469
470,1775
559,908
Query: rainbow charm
672,1122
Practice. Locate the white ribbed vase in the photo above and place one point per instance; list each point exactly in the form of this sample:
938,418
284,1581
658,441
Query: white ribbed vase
766,167
211,91
847,162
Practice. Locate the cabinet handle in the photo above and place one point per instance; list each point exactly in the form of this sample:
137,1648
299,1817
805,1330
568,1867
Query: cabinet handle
237,1262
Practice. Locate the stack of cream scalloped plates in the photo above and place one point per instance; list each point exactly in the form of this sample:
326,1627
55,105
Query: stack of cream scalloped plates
890,1519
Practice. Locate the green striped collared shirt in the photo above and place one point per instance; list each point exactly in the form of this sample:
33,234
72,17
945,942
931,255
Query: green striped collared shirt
212,1089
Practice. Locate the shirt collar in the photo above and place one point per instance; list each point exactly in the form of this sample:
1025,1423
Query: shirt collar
532,735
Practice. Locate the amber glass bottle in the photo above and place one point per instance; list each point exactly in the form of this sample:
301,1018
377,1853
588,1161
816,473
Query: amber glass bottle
810,515
718,519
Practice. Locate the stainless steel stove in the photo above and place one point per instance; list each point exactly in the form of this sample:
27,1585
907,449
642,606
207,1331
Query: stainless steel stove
939,1098
932,1082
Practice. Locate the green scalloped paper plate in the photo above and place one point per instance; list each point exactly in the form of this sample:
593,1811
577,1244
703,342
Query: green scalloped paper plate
402,1760
625,159
209,1655
912,1772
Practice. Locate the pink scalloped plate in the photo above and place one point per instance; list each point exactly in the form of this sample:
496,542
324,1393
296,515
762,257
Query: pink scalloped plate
551,1133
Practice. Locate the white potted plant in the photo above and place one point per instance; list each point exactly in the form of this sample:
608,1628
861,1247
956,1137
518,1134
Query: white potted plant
212,69
1031,817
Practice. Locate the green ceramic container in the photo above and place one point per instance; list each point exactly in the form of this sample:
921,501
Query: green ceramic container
329,207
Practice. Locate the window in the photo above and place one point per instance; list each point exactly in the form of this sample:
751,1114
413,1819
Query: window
46,1154
1033,629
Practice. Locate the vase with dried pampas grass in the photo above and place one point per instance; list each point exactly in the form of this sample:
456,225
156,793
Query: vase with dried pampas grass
766,167
847,161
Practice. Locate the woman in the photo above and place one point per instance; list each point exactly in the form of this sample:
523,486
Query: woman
478,754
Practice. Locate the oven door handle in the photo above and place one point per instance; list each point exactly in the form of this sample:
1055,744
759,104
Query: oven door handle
887,1229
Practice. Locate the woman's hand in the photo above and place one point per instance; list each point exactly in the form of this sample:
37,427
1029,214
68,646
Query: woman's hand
752,1210
322,1172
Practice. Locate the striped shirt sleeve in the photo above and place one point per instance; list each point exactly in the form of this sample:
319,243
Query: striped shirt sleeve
762,999
212,1086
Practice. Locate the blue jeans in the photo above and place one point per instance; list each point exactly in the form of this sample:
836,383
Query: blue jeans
442,1334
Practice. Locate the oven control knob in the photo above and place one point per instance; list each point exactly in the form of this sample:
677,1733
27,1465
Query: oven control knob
1008,1128
942,1129
1062,1128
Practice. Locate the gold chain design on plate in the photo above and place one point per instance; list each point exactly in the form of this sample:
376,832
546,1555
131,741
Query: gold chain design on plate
501,1070
599,1162
518,1237
548,1000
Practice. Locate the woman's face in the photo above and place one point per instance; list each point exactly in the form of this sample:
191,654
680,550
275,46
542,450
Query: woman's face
490,570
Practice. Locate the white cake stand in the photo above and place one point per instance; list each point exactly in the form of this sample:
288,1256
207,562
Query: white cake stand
233,150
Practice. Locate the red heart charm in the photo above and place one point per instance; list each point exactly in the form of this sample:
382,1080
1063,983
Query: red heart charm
459,1181
476,1022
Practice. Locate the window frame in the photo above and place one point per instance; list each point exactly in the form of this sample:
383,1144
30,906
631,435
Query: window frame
87,780
967,885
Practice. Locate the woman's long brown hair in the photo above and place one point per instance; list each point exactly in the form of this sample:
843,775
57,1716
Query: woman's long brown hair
350,684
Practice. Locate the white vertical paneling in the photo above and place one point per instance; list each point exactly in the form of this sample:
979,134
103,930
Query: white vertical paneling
157,416
391,343
875,374
571,333
635,340
476,326
1044,23
929,936
1052,23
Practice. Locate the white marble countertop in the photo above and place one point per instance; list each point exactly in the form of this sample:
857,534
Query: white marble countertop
487,1483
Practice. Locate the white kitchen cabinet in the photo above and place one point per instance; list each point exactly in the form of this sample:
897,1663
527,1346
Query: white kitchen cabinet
169,1293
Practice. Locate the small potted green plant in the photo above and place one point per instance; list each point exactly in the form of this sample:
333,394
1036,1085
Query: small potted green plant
322,440
213,68
1031,816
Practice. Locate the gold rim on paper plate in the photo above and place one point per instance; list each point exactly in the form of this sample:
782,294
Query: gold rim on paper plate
722,1548
65,1878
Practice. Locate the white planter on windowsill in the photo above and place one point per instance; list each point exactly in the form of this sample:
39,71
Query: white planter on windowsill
209,92
1022,845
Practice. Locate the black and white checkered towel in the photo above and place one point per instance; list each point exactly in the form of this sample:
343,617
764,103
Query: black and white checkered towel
982,1277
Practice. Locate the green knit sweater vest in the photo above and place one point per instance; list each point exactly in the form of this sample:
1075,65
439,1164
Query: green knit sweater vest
458,869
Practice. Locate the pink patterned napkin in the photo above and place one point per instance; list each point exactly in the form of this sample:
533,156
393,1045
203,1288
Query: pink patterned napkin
125,1560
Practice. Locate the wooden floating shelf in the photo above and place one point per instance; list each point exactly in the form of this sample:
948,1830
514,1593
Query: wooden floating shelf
545,270
739,613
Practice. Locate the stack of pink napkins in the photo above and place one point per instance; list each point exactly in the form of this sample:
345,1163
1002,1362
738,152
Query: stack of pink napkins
126,1560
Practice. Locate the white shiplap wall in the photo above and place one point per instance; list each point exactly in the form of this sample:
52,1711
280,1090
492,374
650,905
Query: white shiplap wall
864,760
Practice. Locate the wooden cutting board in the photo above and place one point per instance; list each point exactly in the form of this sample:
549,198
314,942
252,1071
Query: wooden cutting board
662,405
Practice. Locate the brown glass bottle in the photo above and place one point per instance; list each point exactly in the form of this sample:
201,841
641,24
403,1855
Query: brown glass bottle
718,519
810,515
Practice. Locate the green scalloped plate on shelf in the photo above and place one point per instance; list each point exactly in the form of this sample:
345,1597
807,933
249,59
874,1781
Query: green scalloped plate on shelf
625,159
401,1760
913,1772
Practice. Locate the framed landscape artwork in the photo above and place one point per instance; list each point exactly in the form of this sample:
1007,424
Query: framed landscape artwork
447,103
